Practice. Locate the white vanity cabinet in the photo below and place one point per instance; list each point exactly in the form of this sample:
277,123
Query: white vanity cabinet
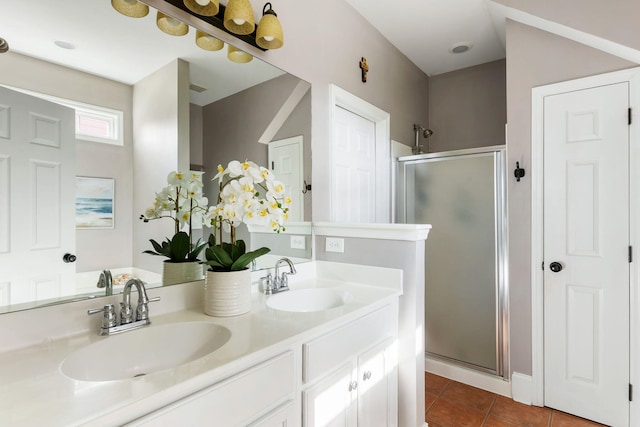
350,373
262,395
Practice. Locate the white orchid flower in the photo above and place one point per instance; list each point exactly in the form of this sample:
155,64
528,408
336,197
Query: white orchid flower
276,187
178,178
235,169
266,174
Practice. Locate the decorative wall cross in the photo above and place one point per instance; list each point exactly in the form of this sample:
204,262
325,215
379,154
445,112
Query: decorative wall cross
365,68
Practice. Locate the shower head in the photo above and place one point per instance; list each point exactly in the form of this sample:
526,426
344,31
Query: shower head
426,133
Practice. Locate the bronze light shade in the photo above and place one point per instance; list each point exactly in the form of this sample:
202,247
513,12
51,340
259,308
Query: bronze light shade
208,42
236,55
131,8
238,17
203,7
171,25
269,34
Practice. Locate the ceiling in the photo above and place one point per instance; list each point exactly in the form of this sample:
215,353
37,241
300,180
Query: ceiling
425,30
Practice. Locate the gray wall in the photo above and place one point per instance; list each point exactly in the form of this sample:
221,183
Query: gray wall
233,125
96,249
196,139
468,107
534,58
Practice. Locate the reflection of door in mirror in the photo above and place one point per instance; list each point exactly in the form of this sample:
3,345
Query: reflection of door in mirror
286,161
37,170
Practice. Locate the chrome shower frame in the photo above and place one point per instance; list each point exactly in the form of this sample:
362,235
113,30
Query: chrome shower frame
501,242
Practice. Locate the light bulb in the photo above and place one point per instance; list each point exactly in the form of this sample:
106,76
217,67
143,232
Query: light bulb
269,38
238,21
202,2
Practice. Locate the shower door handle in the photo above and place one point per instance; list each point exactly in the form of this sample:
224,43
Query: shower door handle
556,267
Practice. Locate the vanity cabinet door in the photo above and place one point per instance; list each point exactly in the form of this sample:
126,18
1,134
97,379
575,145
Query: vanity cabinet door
330,402
363,391
378,386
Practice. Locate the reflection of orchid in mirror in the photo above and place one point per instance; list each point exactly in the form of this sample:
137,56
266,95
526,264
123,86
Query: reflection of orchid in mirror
240,201
180,201
239,198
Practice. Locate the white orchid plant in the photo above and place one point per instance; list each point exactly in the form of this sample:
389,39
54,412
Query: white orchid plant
248,194
180,201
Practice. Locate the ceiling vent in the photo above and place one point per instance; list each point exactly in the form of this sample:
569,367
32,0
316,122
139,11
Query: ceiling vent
196,88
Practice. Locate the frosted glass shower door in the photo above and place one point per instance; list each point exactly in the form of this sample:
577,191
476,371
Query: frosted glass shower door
457,196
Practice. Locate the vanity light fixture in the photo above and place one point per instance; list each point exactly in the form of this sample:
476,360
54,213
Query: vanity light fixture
269,34
238,17
208,42
236,55
203,7
171,25
131,8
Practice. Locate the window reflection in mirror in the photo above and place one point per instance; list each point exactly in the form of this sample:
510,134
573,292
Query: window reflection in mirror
243,108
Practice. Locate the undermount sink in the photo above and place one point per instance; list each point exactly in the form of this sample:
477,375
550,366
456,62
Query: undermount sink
144,351
306,300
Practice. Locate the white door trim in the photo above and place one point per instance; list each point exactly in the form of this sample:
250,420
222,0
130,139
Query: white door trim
340,98
537,196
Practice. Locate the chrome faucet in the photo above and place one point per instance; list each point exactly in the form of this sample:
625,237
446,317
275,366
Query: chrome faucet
279,283
106,281
128,321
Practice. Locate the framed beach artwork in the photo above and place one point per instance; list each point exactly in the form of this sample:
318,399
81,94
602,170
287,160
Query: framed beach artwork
94,202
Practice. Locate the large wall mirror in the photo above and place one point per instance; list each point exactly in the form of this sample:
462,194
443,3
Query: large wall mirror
176,106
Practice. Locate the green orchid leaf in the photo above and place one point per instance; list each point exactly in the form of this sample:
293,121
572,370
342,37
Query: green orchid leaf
242,262
179,247
216,253
156,246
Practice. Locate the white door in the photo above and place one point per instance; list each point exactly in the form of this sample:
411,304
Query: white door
37,194
286,161
586,235
353,178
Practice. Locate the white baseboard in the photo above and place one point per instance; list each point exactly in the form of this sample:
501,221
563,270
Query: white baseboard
467,376
522,388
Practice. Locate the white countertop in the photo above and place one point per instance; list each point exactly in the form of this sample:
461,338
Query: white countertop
33,391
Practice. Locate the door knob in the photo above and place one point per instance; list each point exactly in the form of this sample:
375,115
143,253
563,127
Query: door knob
69,258
555,267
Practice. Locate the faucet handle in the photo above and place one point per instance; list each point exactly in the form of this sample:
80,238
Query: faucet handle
267,284
142,311
284,281
109,315
126,313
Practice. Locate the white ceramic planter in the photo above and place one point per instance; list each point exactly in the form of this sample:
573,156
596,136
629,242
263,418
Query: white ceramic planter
181,272
227,293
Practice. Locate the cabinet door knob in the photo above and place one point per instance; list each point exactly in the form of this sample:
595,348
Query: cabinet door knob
366,376
353,385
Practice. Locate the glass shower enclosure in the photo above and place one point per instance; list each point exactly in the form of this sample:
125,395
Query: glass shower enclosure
462,195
